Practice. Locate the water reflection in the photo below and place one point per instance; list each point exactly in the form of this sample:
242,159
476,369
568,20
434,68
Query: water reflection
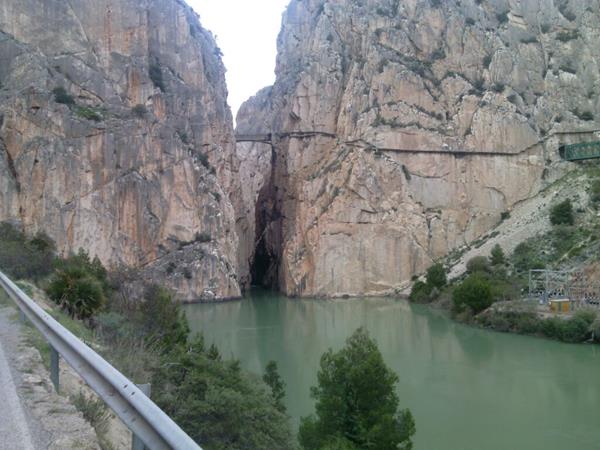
468,388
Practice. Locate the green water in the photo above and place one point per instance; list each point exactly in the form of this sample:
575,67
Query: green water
468,389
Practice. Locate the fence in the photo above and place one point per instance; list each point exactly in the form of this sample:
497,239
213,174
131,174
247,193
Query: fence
146,420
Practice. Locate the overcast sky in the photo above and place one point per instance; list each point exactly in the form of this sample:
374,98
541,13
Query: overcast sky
246,32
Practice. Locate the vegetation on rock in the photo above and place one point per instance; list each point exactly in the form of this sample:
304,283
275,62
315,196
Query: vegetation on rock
562,213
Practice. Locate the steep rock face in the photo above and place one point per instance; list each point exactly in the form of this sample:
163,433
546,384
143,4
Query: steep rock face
135,161
403,129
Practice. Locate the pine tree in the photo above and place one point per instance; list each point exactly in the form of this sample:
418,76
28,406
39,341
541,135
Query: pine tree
356,403
274,381
497,256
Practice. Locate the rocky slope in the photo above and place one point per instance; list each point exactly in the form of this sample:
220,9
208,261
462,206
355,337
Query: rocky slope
135,160
404,129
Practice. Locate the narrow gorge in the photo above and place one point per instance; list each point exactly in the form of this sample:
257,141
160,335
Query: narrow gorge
396,131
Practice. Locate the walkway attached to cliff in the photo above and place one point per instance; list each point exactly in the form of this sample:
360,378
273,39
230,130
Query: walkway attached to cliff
571,152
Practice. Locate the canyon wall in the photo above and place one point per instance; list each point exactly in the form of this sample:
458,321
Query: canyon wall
400,130
115,137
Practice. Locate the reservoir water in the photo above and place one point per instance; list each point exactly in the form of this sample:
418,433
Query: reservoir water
468,389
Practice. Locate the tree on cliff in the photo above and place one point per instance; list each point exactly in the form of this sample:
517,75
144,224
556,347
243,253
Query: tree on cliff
356,403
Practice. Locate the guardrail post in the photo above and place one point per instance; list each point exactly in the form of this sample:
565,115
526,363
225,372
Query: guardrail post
54,369
21,316
136,442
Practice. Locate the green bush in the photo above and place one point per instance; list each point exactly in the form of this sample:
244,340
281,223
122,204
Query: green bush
216,403
22,257
478,264
595,192
420,292
88,113
525,257
61,96
562,213
436,276
526,323
77,292
497,256
203,158
575,329
79,285
160,318
139,111
203,237
474,292
155,73
356,401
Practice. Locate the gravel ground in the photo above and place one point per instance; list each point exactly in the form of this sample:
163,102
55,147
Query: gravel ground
32,415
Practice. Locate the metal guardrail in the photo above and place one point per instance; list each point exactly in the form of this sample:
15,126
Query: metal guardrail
146,420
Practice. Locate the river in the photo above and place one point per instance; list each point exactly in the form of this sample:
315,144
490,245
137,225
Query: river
468,389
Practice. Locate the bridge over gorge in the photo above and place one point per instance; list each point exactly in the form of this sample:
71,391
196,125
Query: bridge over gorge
569,152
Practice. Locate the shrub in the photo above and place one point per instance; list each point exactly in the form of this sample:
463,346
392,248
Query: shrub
160,318
356,401
420,292
575,329
474,292
478,264
203,158
216,403
77,292
203,237
94,411
502,17
587,315
436,276
595,191
88,113
487,60
567,35
562,213
155,73
21,257
525,257
61,96
497,256
526,323
139,111
79,285
583,115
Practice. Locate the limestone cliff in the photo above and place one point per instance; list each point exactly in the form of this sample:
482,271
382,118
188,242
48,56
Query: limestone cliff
403,129
116,137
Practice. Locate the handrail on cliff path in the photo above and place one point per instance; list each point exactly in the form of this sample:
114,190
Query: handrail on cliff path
144,418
